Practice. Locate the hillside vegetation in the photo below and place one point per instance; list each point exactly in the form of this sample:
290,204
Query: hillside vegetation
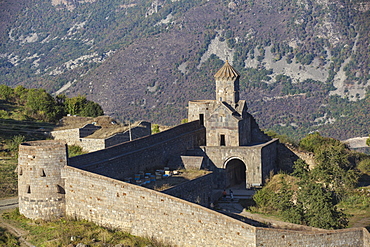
303,64
333,194
33,104
28,115
69,232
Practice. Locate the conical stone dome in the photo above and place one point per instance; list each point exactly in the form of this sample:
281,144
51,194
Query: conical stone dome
227,72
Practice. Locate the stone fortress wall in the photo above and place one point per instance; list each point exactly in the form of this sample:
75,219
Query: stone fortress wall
149,152
77,136
199,190
144,212
344,237
221,137
112,203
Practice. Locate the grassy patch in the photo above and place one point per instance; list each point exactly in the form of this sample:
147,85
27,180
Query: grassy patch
357,206
31,130
74,150
8,178
63,232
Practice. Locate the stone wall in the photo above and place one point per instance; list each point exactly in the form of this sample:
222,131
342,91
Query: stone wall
255,158
90,144
197,191
192,162
269,158
338,238
152,152
70,136
40,187
87,130
366,237
222,123
143,129
145,212
77,136
250,156
257,135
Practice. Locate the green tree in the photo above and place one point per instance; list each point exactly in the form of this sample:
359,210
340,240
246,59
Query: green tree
364,166
40,105
314,141
91,109
75,105
6,93
81,106
300,169
74,150
13,144
21,94
291,212
317,204
334,169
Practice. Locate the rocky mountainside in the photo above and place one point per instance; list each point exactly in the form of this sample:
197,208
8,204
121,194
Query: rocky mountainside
304,64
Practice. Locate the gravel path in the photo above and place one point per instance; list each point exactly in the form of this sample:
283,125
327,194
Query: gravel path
8,203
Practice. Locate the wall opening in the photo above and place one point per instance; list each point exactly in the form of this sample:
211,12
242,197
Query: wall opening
201,119
59,189
42,173
235,173
222,140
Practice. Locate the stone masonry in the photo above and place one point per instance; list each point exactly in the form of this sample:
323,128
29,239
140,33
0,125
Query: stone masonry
221,137
234,142
80,136
40,186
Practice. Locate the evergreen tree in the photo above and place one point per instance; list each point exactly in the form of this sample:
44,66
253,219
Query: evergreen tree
317,204
333,168
300,169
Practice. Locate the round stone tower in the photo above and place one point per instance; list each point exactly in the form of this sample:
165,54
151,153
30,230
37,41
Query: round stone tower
40,185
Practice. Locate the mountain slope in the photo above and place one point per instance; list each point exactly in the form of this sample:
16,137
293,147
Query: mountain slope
304,64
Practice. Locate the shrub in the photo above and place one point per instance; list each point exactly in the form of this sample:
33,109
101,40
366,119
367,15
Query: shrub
13,144
364,166
74,150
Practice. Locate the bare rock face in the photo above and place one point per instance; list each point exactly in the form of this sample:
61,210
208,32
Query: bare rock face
70,4
156,5
363,6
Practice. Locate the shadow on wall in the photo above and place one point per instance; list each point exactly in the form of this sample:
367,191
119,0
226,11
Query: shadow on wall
286,158
197,159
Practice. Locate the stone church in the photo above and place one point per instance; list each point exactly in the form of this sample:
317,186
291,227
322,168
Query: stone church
233,140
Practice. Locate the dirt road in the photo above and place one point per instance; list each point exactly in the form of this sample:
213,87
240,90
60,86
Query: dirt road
8,203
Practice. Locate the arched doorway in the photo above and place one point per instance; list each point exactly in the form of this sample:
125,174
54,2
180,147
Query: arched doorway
235,173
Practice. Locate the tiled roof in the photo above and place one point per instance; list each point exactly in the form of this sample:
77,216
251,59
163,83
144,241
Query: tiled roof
227,72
